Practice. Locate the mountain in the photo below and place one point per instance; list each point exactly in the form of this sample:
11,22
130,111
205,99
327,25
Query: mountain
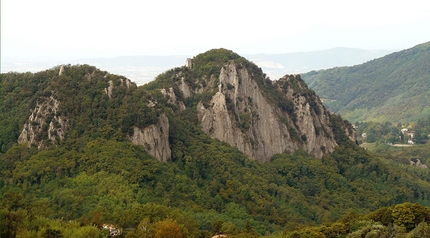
392,88
207,148
229,96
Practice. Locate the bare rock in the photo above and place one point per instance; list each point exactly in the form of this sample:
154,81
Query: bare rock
154,138
44,118
240,115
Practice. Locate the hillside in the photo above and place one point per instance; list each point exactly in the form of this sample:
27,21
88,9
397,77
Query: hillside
229,97
392,88
276,65
212,147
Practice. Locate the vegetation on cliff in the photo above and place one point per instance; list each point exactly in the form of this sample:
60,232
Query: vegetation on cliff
96,175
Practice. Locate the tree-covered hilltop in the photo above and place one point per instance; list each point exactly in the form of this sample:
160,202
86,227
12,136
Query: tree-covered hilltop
232,100
93,101
393,88
402,220
78,166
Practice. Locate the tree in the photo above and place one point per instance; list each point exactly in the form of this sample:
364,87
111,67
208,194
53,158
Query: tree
167,229
371,135
404,216
249,231
420,137
422,230
216,227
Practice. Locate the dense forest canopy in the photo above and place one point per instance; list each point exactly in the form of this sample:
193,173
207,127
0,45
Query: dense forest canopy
393,88
96,176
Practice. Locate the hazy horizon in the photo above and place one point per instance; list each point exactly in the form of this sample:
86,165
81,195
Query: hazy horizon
143,69
49,29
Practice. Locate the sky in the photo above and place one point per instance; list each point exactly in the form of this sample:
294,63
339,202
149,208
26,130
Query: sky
59,29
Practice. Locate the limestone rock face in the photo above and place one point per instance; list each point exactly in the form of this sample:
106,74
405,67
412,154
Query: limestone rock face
313,122
108,90
172,98
417,162
242,116
154,138
44,118
259,134
185,88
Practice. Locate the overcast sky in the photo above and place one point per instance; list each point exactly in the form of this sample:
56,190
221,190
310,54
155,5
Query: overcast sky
57,29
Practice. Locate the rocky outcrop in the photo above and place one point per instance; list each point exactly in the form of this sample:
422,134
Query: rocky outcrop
417,163
173,98
252,126
44,126
154,138
234,101
61,70
123,83
312,120
185,89
108,90
242,116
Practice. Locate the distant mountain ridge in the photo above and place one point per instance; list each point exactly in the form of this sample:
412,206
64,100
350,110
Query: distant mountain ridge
145,68
276,65
392,88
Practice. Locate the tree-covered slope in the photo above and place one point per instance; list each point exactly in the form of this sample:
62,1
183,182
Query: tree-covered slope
393,88
89,101
96,174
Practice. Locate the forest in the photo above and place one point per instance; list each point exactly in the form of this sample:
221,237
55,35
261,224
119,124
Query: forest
97,178
392,88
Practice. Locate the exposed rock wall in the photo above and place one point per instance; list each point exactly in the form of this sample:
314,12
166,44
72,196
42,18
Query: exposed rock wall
44,124
240,115
265,137
315,126
154,138
172,98
108,90
417,162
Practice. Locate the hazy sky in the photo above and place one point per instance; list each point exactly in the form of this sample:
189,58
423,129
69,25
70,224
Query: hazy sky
77,29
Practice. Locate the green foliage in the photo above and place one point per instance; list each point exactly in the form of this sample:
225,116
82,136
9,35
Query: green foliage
97,176
107,181
422,230
422,130
402,220
18,94
82,91
210,63
392,88
338,125
382,132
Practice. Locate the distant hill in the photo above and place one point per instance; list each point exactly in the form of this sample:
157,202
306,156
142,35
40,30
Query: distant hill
145,68
393,88
277,65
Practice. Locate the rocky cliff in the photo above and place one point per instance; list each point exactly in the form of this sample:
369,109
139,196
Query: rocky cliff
225,95
237,104
154,138
44,125
94,103
259,128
